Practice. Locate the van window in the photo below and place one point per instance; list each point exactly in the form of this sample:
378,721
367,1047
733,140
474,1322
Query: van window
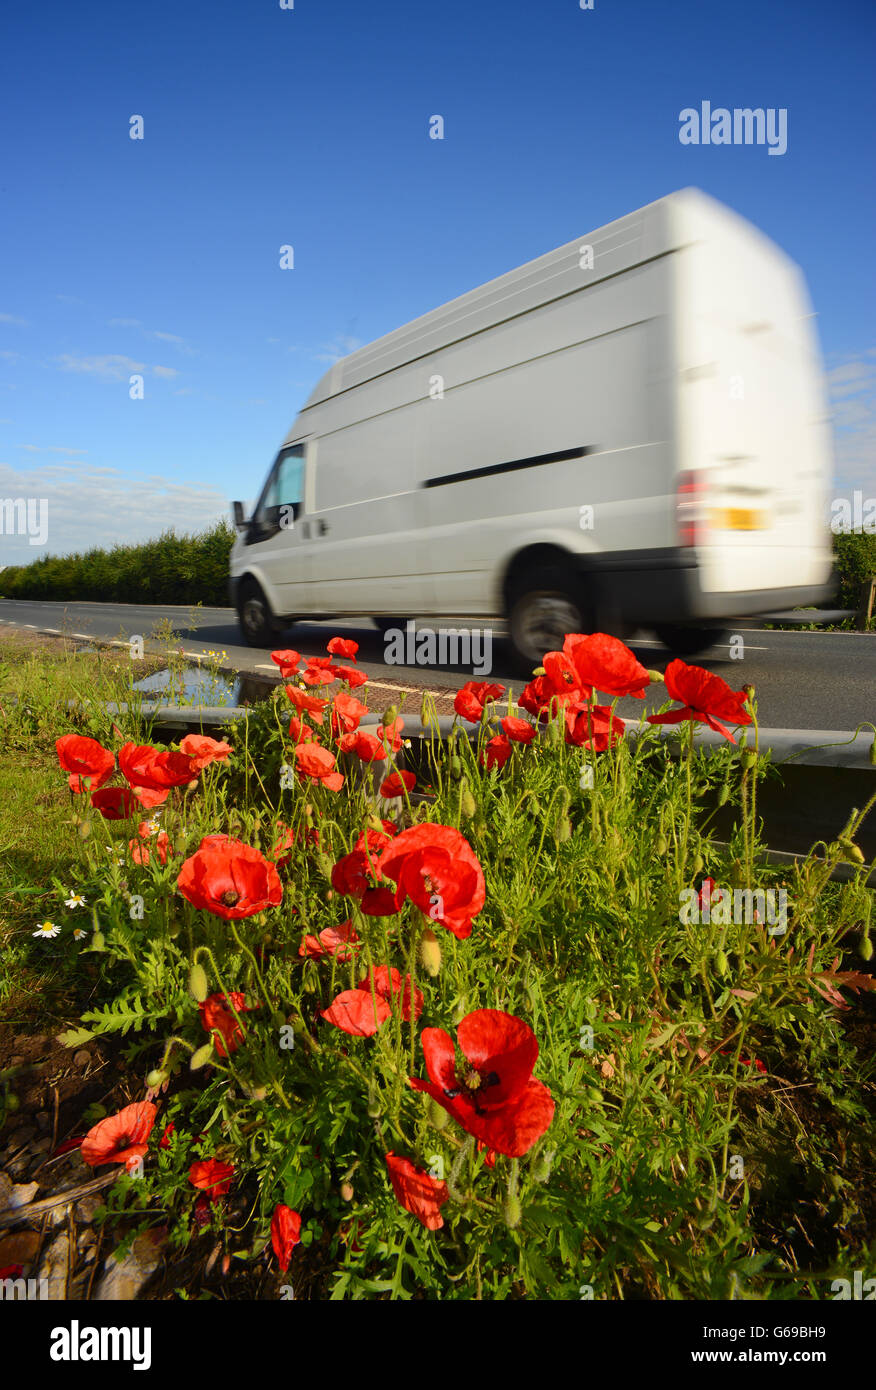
284,487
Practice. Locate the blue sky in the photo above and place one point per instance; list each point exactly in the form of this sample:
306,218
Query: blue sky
265,126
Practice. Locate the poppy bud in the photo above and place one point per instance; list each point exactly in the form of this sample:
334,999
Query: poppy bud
84,829
456,766
309,984
721,962
192,786
563,831
539,671
155,1077
661,846
203,1055
748,758
459,1012
541,1168
374,1110
179,843
723,794
390,714
347,1192
698,864
198,984
468,805
511,1210
656,676
430,953
865,950
438,1116
98,941
849,851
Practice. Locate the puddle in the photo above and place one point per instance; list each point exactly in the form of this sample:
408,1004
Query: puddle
193,685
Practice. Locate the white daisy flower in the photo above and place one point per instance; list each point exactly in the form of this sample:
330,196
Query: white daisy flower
75,900
47,930
79,933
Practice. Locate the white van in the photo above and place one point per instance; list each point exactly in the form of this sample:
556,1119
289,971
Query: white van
628,432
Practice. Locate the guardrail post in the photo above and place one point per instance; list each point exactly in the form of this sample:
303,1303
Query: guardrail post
868,593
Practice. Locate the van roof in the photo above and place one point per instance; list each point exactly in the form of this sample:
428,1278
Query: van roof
665,225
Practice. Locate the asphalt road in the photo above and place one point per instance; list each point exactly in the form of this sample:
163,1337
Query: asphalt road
804,680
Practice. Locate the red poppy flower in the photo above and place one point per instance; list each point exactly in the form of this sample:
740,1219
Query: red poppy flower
119,803
347,712
300,732
496,752
365,745
217,1017
303,702
286,841
605,664
285,1233
489,1155
351,676
593,726
315,674
564,680
707,891
518,730
539,698
472,699
230,879
318,765
120,1138
705,698
339,941
164,1141
392,733
212,1176
360,1013
353,876
163,848
84,757
153,769
417,1191
437,869
203,750
287,662
372,839
397,784
492,1093
342,646
746,1061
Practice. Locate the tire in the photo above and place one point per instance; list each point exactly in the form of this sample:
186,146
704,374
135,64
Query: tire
688,641
543,606
258,625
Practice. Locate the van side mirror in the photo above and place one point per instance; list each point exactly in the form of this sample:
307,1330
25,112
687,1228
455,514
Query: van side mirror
237,513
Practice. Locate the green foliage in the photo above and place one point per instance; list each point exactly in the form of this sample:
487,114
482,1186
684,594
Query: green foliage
172,569
855,559
674,1167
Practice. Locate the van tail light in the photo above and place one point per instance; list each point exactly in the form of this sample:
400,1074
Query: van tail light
690,510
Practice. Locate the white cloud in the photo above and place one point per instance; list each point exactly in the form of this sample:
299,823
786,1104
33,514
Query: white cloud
339,347
12,318
98,506
49,449
110,366
125,323
852,386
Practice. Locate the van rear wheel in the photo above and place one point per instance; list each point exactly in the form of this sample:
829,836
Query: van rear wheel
543,606
258,625
689,641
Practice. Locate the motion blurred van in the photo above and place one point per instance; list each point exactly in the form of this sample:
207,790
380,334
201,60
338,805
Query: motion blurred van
627,432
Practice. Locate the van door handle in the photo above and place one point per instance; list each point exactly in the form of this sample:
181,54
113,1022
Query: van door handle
323,526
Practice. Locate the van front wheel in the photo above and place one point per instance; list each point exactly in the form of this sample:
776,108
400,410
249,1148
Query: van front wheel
543,606
257,623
